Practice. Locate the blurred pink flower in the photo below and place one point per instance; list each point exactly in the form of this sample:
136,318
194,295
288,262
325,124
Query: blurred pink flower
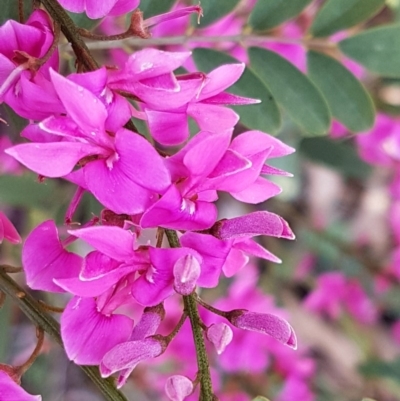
8,231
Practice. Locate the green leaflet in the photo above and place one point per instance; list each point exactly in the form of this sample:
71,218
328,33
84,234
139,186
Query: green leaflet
268,14
376,49
297,95
264,116
348,100
336,15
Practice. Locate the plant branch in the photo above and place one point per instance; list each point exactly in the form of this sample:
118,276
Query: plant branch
70,31
190,304
33,310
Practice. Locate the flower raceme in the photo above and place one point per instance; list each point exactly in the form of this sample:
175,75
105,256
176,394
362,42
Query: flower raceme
119,287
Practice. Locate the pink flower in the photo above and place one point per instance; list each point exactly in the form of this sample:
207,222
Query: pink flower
9,390
8,231
28,92
95,9
121,169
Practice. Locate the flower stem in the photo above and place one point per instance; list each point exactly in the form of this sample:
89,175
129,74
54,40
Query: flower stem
206,391
34,311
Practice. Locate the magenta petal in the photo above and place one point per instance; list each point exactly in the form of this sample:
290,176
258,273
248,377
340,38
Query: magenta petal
140,162
205,151
115,190
214,253
150,63
82,106
252,248
266,323
10,391
97,265
212,118
51,159
177,213
178,387
257,192
235,261
228,98
221,78
113,241
44,259
129,354
257,223
168,128
8,231
252,142
88,335
148,323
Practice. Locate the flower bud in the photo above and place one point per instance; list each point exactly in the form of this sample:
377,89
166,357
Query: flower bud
178,387
252,224
220,334
264,323
186,272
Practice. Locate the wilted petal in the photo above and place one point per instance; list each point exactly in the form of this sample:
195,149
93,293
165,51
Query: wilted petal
88,334
178,387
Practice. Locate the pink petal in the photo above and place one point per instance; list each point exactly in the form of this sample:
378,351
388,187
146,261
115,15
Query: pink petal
168,128
177,213
51,159
114,242
87,111
8,231
214,253
44,259
252,248
212,118
221,78
230,99
257,192
178,387
12,391
220,334
88,334
235,261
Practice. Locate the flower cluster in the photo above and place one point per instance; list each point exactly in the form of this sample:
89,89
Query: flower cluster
165,186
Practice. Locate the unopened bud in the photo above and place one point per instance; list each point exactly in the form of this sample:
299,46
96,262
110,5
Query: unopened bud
264,323
178,387
186,273
220,334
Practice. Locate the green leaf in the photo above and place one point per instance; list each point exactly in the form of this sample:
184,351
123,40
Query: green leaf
348,100
336,15
9,10
378,368
155,7
340,156
376,49
268,14
264,116
26,191
297,95
213,11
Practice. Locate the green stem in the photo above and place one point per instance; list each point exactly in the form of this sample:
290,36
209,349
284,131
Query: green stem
34,311
206,391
